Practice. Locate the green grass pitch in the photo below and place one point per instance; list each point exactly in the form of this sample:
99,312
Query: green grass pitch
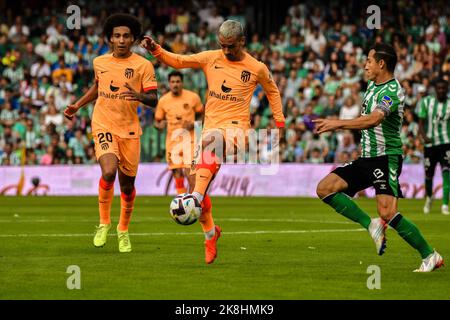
272,248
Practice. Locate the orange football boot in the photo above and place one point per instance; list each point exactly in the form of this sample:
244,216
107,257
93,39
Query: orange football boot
211,246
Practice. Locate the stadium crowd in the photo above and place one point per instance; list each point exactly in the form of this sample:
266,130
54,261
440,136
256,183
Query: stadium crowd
316,57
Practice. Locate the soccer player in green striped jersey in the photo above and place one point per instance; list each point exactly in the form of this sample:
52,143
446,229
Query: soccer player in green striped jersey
434,127
380,164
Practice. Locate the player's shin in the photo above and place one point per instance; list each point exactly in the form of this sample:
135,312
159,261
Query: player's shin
105,197
411,234
205,171
348,208
445,186
429,187
179,185
126,209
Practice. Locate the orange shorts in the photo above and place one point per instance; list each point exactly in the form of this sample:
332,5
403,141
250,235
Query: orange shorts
126,150
233,141
180,150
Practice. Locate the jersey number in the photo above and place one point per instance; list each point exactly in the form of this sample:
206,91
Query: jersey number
102,136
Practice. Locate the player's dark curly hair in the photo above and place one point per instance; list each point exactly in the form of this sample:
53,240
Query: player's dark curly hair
122,19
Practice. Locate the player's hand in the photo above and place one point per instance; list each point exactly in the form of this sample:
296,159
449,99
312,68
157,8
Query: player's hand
70,111
324,125
160,124
149,44
426,140
131,94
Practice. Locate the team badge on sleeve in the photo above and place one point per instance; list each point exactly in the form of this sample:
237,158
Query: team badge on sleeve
387,101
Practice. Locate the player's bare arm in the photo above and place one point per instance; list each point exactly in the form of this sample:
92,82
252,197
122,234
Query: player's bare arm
422,133
149,98
363,122
88,97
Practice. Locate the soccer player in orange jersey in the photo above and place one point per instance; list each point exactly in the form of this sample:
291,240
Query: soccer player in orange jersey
123,80
232,76
179,107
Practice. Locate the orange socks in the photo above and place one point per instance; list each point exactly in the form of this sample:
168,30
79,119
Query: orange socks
179,184
127,205
105,197
206,219
202,179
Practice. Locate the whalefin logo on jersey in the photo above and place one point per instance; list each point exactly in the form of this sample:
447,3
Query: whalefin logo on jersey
225,89
387,101
113,88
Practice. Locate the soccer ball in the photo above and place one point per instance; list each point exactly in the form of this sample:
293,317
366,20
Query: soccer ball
185,209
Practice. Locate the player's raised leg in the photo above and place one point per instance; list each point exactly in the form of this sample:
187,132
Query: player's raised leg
108,163
206,169
330,190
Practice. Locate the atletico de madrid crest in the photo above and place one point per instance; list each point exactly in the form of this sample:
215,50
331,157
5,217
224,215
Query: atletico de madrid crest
245,76
129,72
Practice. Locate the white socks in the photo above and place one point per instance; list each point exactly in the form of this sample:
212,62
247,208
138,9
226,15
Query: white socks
210,234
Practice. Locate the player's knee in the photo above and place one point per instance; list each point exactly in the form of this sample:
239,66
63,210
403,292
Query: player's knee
209,161
127,188
323,189
109,174
386,211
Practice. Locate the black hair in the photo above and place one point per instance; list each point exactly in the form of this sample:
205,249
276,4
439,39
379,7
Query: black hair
122,19
441,80
175,74
385,52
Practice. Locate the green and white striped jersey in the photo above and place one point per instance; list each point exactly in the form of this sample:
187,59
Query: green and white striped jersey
437,124
383,139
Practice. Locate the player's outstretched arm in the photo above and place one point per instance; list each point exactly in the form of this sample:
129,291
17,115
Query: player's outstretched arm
273,95
149,98
363,122
88,97
177,61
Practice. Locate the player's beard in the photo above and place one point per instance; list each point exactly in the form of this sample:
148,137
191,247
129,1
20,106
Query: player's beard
230,57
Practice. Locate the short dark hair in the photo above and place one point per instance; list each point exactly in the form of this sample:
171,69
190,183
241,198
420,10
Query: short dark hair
175,74
441,80
385,52
122,19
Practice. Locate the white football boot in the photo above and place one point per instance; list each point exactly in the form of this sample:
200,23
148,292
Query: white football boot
430,263
377,230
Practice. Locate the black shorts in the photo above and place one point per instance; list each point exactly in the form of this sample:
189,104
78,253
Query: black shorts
382,173
436,154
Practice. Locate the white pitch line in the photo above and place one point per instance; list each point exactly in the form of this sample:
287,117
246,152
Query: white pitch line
143,219
145,234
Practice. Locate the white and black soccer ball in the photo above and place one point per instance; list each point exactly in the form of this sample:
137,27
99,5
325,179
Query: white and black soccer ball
185,209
